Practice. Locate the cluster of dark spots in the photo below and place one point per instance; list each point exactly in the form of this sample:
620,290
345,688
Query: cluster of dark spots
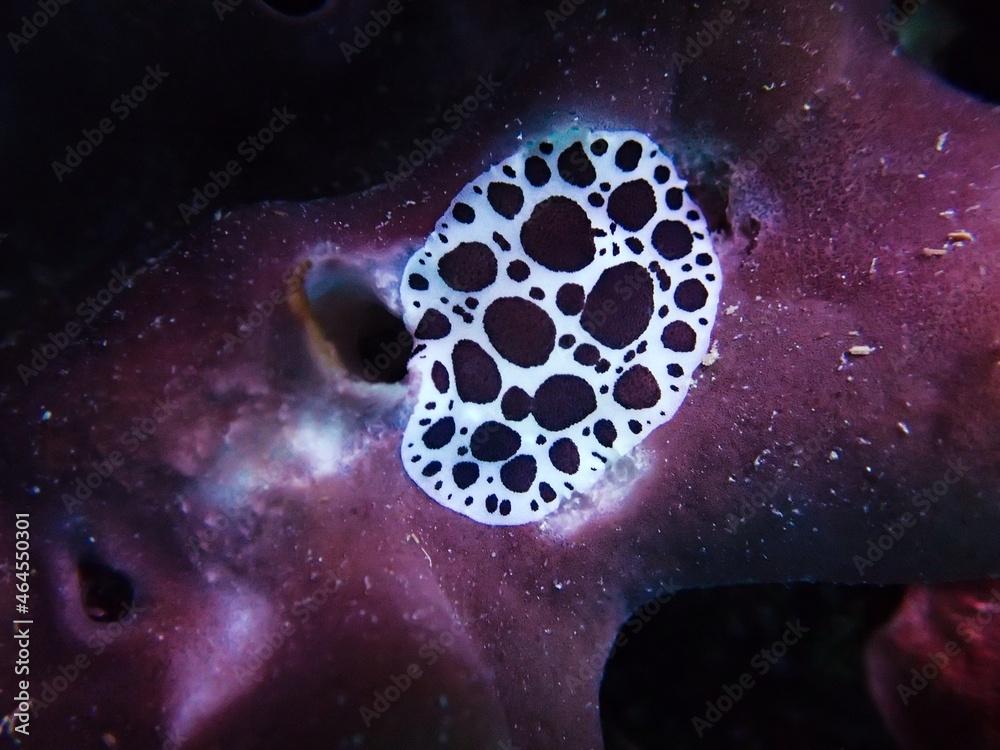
559,236
470,267
569,299
628,155
494,441
679,337
661,275
464,213
615,311
564,456
620,305
562,401
520,331
433,325
632,205
515,405
477,378
690,295
501,241
462,313
675,199
439,376
518,270
587,355
506,199
637,389
518,474
672,239
536,171
465,474
605,432
575,167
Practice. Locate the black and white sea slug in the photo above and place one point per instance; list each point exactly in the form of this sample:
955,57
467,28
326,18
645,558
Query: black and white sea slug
559,309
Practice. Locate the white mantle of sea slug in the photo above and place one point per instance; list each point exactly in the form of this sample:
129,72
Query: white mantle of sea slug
559,310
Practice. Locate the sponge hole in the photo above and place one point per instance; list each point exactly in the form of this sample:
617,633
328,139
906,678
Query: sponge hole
107,595
370,340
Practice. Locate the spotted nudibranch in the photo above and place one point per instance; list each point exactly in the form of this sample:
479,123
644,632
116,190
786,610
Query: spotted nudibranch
559,310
